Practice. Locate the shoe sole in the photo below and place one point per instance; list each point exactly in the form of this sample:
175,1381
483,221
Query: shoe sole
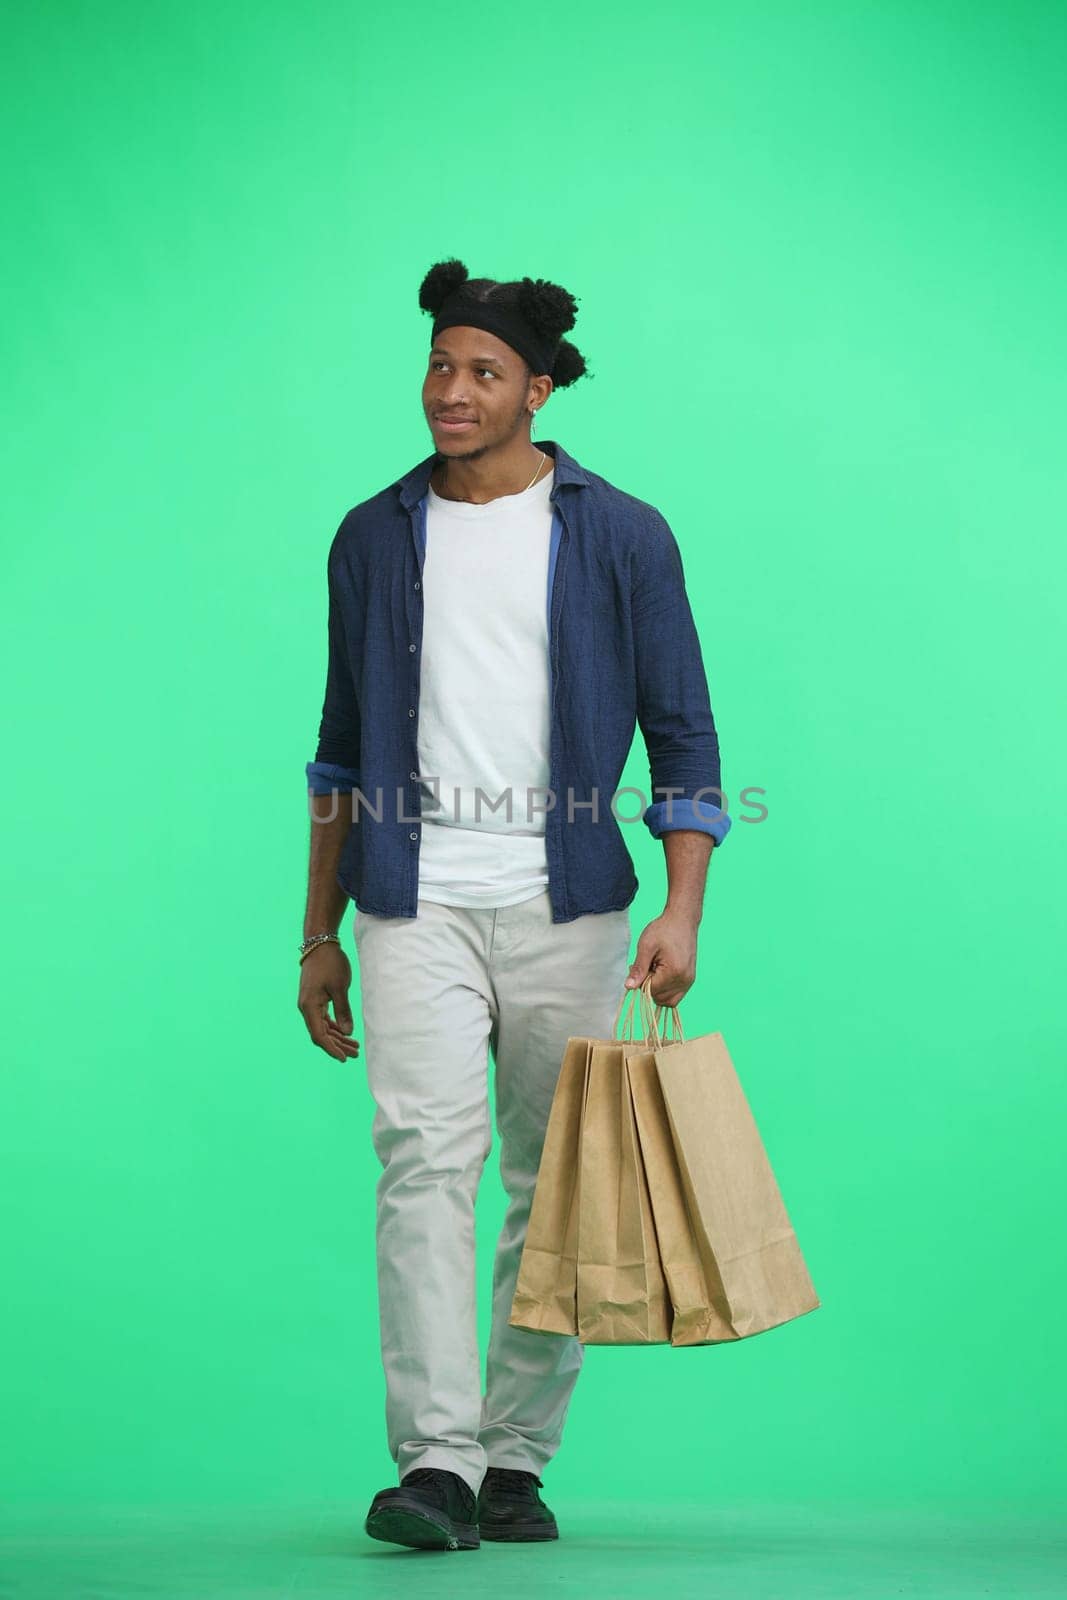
414,1527
513,1532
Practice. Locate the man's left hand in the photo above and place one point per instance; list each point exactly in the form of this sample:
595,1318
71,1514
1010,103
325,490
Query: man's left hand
668,950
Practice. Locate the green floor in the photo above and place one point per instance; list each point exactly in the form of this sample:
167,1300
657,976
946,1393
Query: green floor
611,1549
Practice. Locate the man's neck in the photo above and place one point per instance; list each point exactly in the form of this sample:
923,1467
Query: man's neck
480,481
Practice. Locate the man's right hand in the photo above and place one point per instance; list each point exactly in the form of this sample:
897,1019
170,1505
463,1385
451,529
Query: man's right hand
325,975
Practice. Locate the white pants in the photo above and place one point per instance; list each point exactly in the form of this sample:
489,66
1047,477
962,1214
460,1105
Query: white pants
438,991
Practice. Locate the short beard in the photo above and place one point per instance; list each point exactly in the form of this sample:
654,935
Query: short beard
477,451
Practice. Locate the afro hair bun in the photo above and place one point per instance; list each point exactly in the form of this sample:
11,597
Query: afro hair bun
546,307
442,280
569,366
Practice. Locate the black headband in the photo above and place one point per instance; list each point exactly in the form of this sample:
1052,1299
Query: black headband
463,310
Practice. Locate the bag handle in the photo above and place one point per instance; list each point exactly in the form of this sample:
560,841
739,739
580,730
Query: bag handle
648,1015
677,1036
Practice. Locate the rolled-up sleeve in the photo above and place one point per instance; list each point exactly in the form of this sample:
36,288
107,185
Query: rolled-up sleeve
337,754
673,705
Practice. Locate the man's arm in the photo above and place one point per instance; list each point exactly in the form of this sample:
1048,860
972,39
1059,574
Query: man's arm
668,945
325,973
673,706
337,755
675,716
688,855
331,817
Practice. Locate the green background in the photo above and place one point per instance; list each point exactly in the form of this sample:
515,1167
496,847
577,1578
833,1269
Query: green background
818,252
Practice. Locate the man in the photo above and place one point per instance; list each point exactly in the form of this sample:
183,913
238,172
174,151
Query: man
500,619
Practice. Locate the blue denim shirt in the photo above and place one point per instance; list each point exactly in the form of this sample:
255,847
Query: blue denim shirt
623,651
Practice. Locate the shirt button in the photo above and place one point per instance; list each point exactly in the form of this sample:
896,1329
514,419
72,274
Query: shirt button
411,711
412,774
411,649
418,586
413,836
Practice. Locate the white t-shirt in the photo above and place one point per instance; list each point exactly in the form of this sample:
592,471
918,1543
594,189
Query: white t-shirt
483,698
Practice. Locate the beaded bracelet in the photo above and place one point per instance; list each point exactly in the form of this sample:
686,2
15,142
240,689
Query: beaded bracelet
316,939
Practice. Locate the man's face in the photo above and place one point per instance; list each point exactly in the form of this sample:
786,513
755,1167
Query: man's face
475,376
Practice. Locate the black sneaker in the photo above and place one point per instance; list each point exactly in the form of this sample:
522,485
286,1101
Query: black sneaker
432,1508
509,1506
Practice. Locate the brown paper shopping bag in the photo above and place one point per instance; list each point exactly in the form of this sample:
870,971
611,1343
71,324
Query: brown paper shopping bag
753,1270
692,1311
621,1291
591,1152
544,1297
